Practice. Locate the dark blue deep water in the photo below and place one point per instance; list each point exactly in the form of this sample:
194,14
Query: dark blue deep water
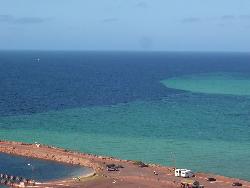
63,80
114,103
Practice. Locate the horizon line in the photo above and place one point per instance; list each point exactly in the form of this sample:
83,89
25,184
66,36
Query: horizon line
169,51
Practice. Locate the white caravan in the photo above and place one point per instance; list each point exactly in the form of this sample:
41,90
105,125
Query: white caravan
185,173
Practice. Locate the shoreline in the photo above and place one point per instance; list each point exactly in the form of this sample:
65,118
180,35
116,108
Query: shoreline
128,177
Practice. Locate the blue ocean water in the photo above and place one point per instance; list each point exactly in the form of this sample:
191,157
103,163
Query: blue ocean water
38,170
114,103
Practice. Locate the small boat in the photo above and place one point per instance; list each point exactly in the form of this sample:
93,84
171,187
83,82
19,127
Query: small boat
37,59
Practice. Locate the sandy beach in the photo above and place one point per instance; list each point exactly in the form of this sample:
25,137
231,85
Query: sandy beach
131,176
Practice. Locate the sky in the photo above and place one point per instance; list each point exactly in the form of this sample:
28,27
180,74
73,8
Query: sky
129,25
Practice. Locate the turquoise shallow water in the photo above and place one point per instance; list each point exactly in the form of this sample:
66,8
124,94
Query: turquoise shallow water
213,83
204,133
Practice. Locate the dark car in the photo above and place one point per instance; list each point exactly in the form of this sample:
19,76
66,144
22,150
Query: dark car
114,166
210,179
111,165
237,184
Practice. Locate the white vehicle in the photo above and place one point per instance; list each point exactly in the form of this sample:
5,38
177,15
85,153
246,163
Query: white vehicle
185,173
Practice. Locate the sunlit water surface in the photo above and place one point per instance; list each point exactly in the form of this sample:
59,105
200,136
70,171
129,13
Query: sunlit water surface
143,106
